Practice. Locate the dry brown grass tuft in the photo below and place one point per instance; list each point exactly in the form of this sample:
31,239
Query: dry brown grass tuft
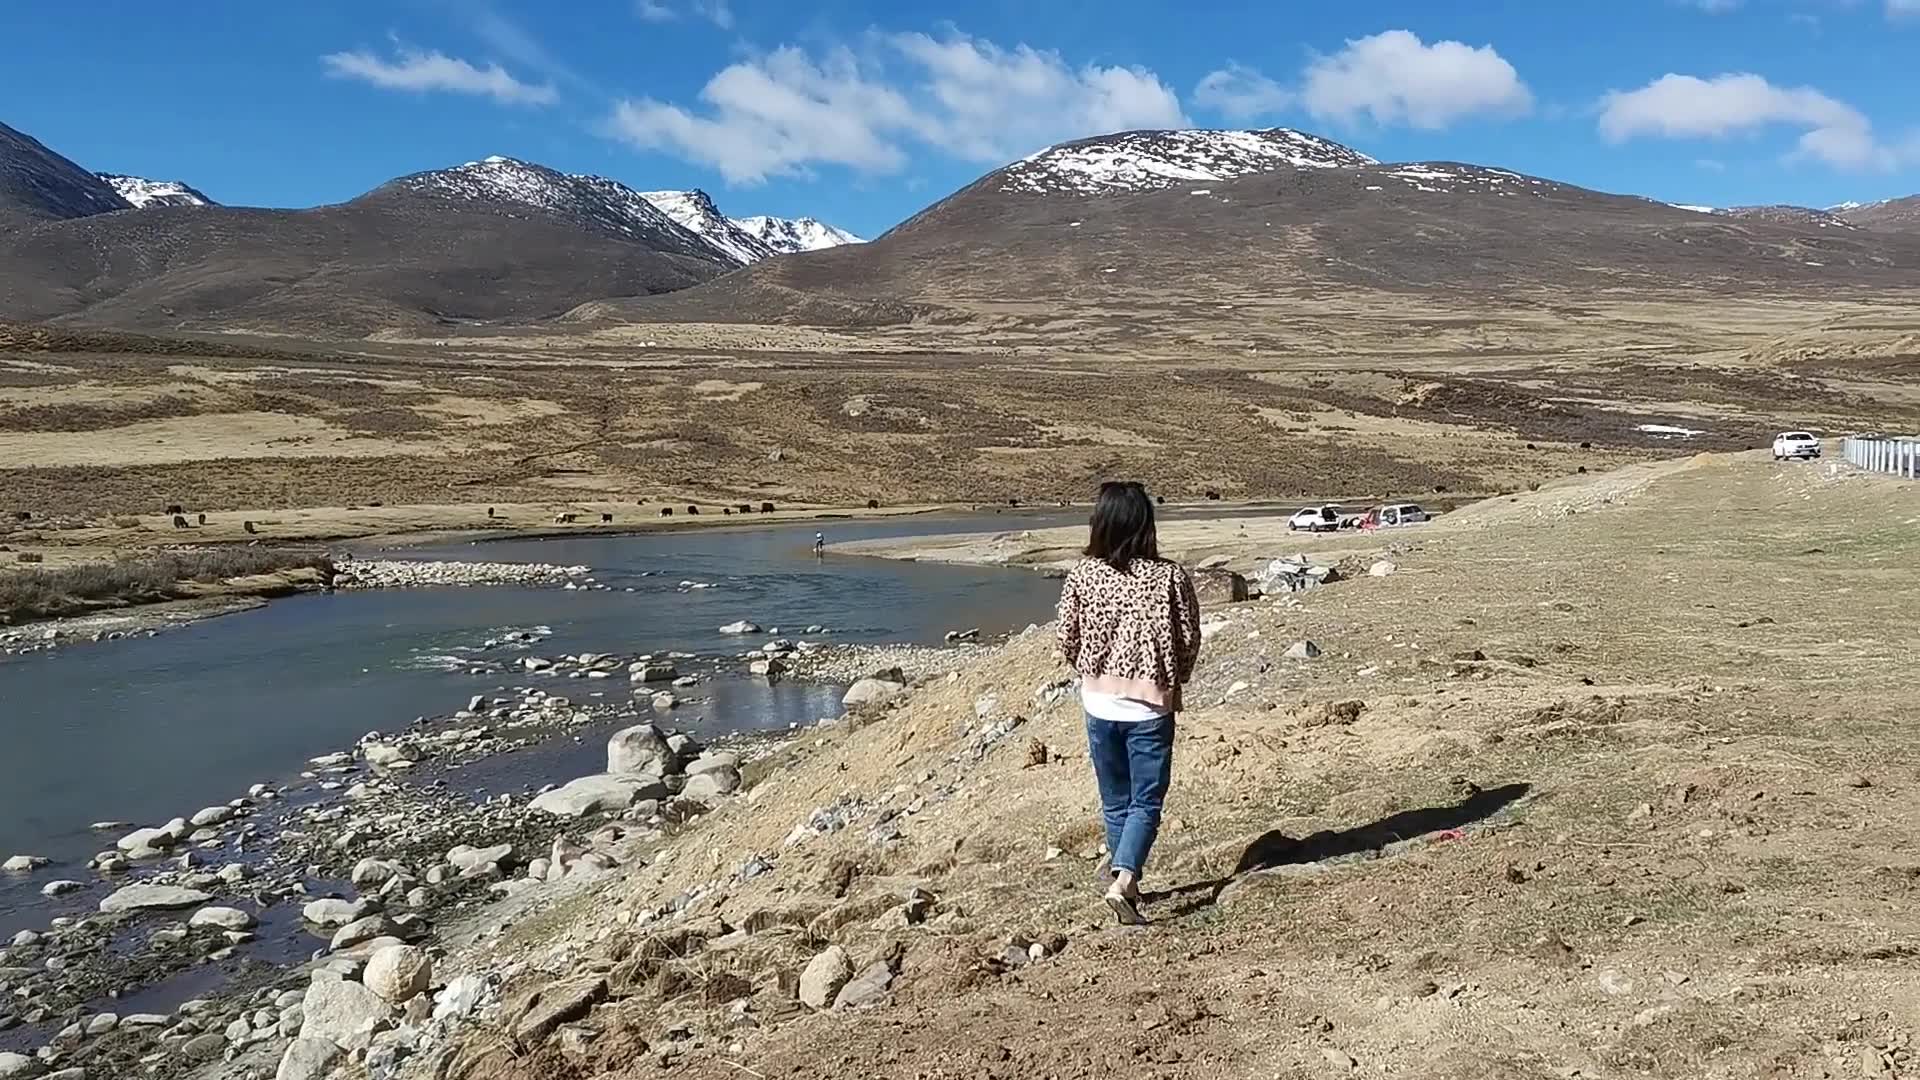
38,594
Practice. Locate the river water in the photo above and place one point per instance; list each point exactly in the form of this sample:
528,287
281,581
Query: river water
144,730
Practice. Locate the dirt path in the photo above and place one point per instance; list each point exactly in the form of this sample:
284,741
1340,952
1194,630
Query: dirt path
1608,780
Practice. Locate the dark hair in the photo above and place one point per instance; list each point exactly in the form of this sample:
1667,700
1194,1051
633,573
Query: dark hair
1121,529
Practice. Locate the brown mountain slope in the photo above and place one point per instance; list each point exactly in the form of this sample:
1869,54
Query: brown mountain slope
1891,215
36,182
1437,228
383,260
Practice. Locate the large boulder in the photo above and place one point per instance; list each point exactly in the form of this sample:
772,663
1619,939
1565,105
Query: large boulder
332,912
223,918
824,977
870,986
372,873
389,755
709,784
472,861
148,840
360,931
21,864
871,692
651,673
213,815
639,750
16,1066
601,794
398,973
1216,586
344,1013
133,898
308,1059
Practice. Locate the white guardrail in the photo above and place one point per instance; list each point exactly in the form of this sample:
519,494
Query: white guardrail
1897,455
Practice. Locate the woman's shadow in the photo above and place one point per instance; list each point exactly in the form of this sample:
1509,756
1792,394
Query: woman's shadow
1274,849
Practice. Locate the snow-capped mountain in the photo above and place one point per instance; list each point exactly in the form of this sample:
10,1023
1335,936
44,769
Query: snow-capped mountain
695,212
1152,160
602,204
36,181
1781,214
788,236
143,193
1900,215
694,224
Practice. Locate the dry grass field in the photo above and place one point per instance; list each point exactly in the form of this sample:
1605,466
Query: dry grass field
1352,398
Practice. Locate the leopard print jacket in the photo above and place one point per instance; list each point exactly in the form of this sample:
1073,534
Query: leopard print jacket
1139,625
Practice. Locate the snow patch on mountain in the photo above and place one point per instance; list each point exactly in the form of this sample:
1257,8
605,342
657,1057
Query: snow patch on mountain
789,236
607,205
143,193
1788,215
1449,177
695,212
1154,160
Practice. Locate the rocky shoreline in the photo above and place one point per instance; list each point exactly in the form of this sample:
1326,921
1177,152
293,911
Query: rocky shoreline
421,573
372,849
149,620
119,624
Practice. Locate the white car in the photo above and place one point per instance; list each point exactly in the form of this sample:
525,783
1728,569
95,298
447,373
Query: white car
1796,446
1316,519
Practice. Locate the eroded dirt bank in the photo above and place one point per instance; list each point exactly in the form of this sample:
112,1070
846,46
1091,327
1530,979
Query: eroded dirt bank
1610,779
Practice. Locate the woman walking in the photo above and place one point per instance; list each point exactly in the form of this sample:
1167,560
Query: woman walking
1130,627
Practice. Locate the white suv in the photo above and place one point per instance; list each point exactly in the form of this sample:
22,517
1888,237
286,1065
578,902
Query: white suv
1795,445
1316,519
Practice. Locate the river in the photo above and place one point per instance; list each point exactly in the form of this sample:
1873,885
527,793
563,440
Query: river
146,729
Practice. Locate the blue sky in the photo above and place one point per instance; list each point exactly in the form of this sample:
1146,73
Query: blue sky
861,112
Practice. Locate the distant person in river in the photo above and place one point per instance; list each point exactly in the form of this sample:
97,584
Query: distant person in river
819,544
1130,627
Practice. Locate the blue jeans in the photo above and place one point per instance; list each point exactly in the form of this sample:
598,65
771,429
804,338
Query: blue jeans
1133,764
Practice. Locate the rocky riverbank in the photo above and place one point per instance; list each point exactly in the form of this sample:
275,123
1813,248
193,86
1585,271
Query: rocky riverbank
118,625
370,849
411,574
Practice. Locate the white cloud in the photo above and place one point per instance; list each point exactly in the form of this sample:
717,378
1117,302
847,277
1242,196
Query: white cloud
1685,106
1241,93
716,12
964,97
1390,78
1902,8
653,11
1714,7
1395,78
986,103
411,69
